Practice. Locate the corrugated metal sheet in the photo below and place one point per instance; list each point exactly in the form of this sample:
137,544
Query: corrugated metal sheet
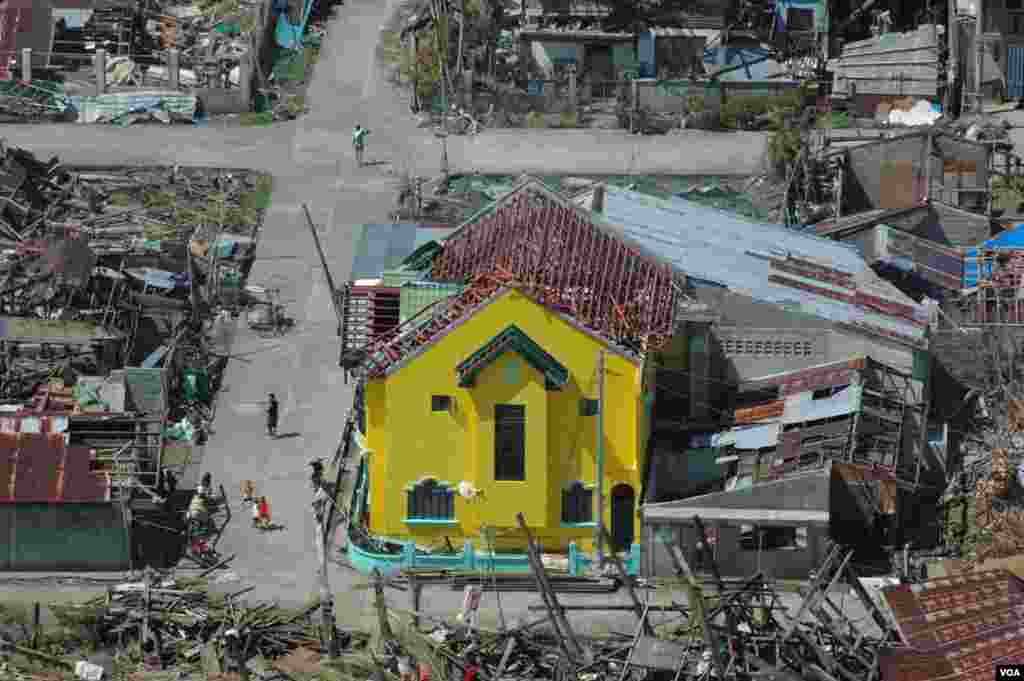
712,245
754,437
1015,71
761,412
52,330
959,627
40,467
812,378
890,64
844,226
384,246
937,264
901,182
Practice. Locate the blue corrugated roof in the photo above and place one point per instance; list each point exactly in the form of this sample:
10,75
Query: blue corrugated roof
1011,239
715,246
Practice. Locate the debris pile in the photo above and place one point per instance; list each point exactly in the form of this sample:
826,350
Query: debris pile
184,625
726,629
112,280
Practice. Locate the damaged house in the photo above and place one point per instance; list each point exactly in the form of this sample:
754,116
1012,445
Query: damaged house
833,453
751,301
108,281
776,304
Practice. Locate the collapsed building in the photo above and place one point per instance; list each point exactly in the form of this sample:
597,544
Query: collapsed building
109,278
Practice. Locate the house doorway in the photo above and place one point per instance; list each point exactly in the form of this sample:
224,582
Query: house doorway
599,63
623,500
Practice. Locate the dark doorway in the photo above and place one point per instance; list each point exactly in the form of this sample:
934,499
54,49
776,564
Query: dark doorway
623,500
599,62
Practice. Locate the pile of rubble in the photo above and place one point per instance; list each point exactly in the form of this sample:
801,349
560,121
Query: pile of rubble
139,79
102,269
182,625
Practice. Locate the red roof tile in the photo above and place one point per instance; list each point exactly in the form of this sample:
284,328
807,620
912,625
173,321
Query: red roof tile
958,627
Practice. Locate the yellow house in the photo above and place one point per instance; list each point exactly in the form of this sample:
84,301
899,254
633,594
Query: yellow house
498,415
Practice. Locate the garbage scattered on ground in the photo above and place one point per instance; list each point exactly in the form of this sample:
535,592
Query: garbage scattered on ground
921,113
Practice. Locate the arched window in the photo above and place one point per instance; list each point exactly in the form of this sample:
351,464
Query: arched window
430,499
577,504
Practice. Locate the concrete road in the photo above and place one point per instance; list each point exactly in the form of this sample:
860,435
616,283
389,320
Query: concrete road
311,160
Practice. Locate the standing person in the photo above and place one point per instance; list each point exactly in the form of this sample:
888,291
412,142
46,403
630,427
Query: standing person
359,142
264,508
256,513
272,410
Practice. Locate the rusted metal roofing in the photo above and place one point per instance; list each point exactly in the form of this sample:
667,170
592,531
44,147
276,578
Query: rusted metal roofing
810,378
41,467
957,628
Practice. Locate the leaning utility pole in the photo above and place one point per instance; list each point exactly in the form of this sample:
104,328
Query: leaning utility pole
327,270
599,468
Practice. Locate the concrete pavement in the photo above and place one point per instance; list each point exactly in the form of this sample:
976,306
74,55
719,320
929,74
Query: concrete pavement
311,160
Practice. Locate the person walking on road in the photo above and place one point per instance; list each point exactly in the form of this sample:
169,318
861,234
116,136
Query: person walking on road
272,411
359,142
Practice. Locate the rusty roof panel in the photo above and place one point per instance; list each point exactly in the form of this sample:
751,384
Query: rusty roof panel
8,448
36,470
80,484
36,467
959,627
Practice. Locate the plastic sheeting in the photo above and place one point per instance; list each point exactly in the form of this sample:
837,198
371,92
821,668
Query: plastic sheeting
922,113
803,407
755,437
289,35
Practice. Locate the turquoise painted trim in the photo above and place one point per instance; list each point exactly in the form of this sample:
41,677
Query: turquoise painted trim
430,521
590,524
366,561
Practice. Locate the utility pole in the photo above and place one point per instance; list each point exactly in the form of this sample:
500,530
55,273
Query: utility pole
979,56
953,59
327,624
599,457
327,270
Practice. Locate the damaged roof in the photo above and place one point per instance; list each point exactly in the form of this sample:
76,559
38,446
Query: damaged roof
40,467
28,330
770,263
958,628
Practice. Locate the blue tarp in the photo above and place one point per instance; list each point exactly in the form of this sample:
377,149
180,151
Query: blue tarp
289,35
1011,239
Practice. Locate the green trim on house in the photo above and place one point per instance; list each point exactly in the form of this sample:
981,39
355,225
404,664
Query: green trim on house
591,524
513,338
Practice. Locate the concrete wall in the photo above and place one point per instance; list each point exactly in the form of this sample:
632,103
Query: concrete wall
732,559
743,318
